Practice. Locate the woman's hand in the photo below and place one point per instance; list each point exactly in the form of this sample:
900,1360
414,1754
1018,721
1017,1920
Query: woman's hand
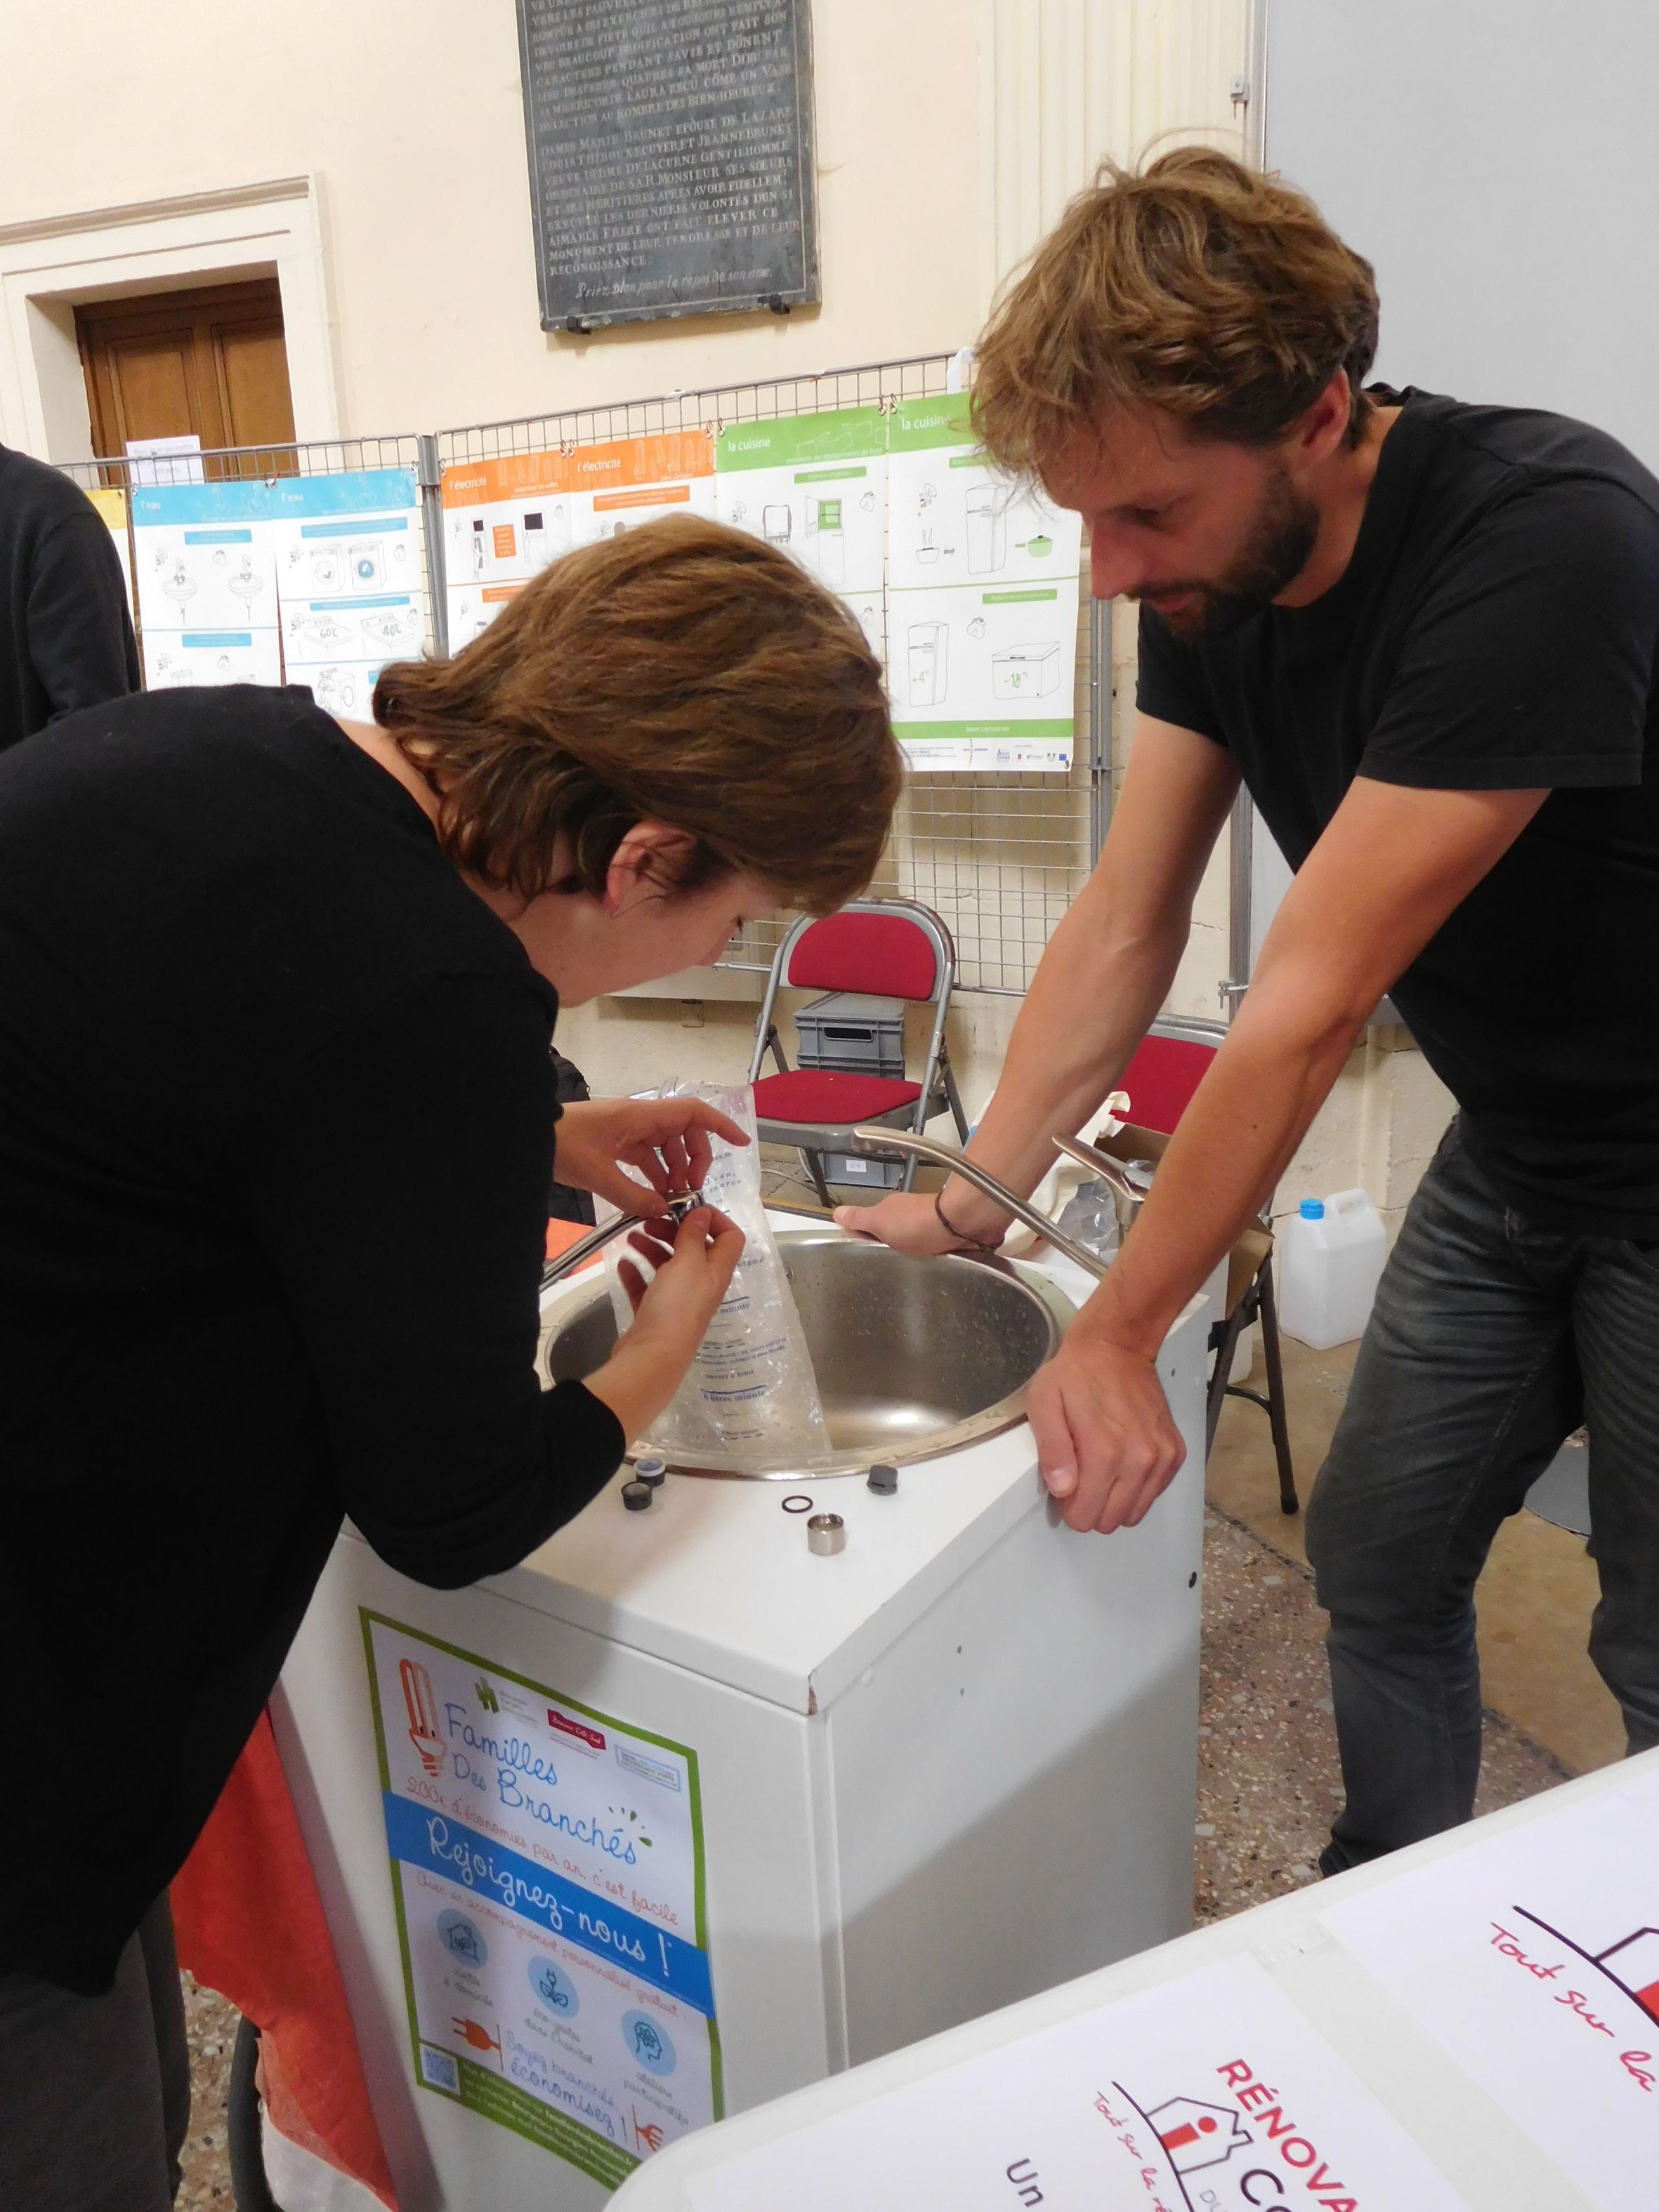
665,1138
670,1315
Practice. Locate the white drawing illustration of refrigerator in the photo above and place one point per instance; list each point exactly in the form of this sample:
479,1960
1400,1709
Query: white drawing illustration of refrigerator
929,663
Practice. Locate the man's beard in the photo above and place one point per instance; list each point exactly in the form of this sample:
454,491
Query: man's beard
1275,553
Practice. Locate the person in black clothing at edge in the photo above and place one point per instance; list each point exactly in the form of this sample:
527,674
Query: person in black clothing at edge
65,635
276,1134
1421,633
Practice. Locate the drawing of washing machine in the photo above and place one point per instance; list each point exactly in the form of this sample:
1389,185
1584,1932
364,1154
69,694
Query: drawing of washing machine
327,569
366,562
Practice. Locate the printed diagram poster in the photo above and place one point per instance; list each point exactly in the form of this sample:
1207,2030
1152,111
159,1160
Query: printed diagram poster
982,601
547,1869
816,485
349,581
1533,1962
506,519
112,505
1212,2094
206,562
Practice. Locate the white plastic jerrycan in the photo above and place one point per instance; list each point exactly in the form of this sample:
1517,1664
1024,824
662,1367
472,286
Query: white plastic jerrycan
1330,1256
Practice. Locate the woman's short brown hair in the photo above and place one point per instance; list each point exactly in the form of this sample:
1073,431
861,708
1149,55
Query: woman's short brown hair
683,673
1211,292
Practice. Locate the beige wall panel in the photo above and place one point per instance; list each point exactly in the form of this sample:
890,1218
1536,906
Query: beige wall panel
410,118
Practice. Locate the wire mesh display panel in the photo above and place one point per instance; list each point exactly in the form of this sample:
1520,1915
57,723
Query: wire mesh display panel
328,457
999,855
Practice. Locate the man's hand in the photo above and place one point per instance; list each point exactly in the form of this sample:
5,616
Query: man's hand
670,1315
1105,1443
665,1138
907,1221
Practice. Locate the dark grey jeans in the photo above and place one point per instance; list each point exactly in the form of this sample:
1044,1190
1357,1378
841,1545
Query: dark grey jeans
1490,1341
94,2092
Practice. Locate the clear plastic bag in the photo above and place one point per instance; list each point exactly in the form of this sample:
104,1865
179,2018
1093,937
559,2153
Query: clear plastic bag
751,1398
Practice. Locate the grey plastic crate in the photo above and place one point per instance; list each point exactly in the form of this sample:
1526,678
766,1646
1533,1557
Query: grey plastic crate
853,1033
849,1168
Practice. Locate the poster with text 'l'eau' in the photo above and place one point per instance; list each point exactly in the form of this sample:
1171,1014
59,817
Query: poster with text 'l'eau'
1212,2094
547,1871
348,580
982,601
1533,1962
506,519
205,556
815,486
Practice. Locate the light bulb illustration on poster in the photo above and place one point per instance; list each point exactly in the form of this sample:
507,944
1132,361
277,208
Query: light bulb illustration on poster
547,1868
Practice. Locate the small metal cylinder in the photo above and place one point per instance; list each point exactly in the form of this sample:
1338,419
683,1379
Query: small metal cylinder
826,1532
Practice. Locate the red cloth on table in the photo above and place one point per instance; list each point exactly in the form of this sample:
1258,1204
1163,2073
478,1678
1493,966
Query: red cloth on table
250,1924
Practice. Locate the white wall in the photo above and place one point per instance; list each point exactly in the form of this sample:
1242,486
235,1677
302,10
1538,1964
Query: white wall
410,119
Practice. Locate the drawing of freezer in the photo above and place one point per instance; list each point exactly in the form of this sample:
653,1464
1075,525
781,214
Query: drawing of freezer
1025,671
826,540
929,670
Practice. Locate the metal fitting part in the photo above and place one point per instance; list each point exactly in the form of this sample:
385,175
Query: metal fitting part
883,1480
653,1471
637,1496
826,1532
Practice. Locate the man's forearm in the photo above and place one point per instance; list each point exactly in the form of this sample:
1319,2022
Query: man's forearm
1234,1141
1092,1001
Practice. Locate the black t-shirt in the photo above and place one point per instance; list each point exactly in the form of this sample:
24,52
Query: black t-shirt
1496,629
276,1115
65,635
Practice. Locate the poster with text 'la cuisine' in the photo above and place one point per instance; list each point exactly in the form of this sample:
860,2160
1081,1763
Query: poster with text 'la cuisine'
506,519
547,1869
815,487
983,593
1210,2094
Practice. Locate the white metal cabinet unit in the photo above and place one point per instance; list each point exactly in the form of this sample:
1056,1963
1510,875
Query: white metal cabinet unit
942,1769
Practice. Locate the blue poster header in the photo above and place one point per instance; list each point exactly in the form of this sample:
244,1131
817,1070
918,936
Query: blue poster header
421,1837
357,493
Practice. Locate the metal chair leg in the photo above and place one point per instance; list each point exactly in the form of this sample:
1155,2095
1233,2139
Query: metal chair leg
953,1099
1216,1394
1288,1500
815,1169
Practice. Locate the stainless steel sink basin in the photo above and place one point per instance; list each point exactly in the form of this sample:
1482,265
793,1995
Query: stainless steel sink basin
914,1356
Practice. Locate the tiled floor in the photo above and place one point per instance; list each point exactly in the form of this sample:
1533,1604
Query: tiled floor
1268,1779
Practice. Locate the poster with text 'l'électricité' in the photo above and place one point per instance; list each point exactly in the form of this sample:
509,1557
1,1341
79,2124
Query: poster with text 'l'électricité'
506,519
547,1874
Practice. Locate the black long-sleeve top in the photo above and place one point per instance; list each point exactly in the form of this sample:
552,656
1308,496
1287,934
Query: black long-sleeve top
66,637
276,1114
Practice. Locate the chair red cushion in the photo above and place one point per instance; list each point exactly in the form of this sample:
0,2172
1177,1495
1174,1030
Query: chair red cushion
820,1094
1162,1078
885,953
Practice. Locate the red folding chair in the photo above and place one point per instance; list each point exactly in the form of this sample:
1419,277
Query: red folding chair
1170,1064
895,949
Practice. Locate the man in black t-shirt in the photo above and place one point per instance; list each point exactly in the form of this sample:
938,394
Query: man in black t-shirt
1423,635
66,637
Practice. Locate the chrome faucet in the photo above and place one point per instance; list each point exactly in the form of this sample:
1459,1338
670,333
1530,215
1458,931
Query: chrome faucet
871,1142
679,1204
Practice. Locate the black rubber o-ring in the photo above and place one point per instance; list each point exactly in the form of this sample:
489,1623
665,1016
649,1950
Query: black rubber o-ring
797,1501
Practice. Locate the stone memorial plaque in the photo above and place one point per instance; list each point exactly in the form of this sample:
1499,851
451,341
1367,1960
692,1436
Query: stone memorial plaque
671,156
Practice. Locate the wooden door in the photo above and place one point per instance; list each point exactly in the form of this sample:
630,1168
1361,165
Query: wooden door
211,361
